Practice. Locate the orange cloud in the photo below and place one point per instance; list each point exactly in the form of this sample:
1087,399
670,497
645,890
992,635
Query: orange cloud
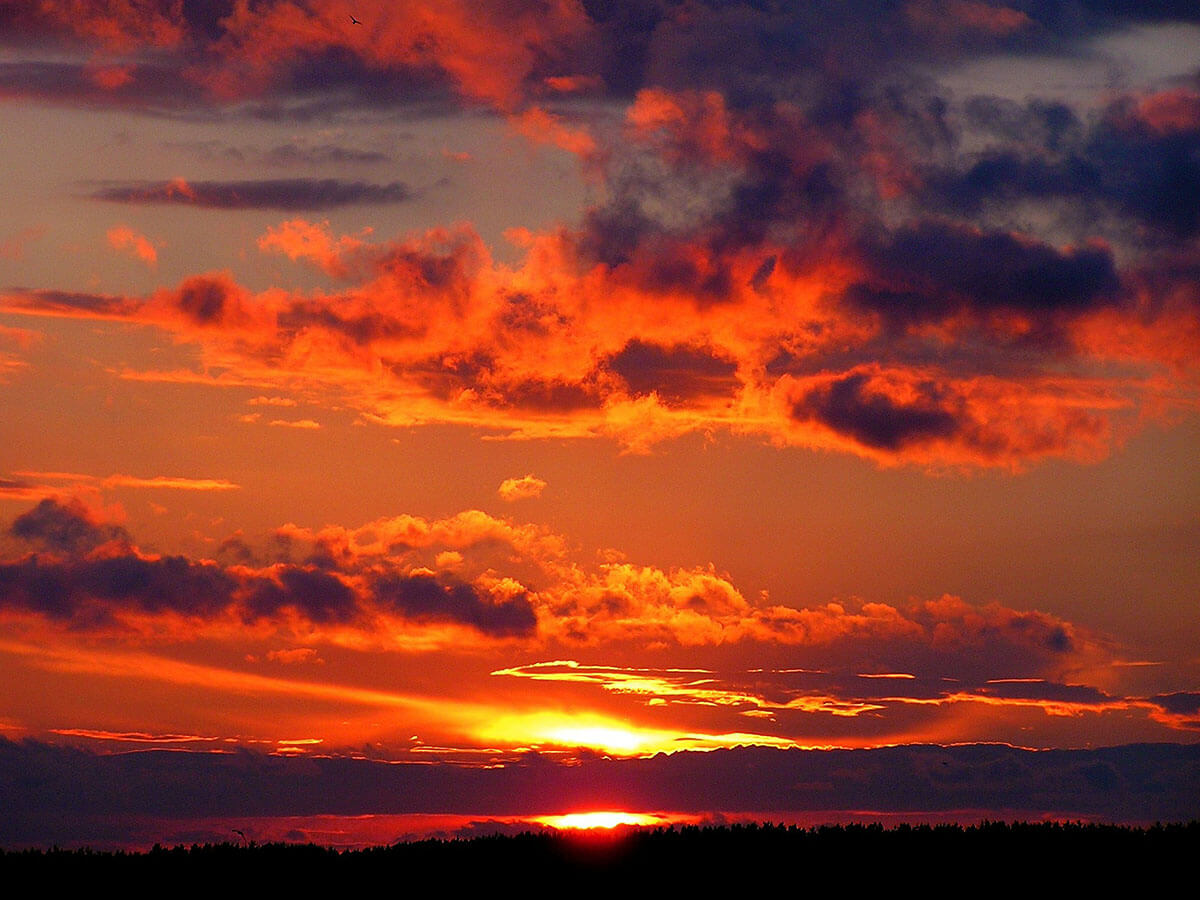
730,307
126,240
439,332
299,239
272,401
167,482
543,127
521,488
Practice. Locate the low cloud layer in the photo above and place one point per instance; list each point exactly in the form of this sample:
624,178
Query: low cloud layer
67,796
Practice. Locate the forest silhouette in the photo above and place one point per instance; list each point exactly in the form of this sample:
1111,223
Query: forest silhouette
988,858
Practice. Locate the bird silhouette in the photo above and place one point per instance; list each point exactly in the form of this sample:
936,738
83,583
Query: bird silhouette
354,20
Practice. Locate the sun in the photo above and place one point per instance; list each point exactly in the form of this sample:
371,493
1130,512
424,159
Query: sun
587,821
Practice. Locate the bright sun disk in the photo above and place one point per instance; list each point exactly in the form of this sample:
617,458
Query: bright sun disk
590,820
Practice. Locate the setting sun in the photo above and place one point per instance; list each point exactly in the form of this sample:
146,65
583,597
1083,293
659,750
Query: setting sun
589,821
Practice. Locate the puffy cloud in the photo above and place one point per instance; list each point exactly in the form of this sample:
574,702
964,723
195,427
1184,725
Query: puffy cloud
96,578
423,597
377,580
521,488
68,527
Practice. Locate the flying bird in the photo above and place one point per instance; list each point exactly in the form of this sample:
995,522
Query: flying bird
354,20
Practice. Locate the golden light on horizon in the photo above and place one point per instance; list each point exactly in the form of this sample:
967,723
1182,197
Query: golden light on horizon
609,735
589,821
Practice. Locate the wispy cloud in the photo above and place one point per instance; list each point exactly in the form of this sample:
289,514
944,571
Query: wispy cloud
272,193
165,482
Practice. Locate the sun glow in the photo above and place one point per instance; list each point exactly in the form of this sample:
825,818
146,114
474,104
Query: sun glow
605,734
592,820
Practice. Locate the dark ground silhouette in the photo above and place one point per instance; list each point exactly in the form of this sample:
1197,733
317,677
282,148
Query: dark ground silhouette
942,860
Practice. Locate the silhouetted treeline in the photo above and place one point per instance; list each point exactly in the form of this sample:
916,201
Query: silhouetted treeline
940,860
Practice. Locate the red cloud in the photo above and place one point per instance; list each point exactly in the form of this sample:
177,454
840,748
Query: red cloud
469,43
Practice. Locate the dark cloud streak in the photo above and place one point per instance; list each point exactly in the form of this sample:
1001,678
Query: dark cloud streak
289,194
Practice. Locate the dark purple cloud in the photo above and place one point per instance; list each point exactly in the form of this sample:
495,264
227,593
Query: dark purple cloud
934,269
291,194
145,87
676,374
74,588
90,592
427,598
874,419
1132,164
65,528
318,596
1183,703
46,786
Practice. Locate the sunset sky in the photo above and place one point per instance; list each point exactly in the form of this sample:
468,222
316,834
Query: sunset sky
499,380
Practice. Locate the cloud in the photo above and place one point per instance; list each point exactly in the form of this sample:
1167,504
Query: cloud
289,194
791,695
1106,784
126,240
272,401
163,482
294,656
1136,162
301,154
795,235
1178,710
675,374
151,85
933,271
66,527
521,488
96,578
377,581
423,597
113,24
510,55
877,420
13,244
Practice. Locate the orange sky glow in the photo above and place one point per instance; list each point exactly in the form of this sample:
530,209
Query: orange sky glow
484,389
